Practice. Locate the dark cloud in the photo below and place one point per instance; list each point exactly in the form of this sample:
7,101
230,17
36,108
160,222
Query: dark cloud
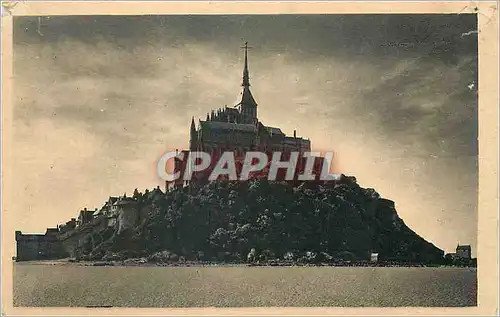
431,98
132,46
437,34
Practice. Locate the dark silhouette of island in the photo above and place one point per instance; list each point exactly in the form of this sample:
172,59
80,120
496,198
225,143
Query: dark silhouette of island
258,222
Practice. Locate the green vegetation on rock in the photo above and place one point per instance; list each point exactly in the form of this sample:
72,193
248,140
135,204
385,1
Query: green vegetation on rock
258,220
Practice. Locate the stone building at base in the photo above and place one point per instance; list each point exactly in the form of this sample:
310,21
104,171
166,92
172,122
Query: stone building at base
463,255
46,246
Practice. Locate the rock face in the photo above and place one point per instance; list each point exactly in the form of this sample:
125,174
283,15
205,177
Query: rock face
225,221
127,216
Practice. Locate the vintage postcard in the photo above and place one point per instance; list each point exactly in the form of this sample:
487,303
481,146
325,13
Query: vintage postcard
249,158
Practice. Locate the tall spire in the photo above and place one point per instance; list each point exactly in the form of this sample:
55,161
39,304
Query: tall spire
247,104
193,136
193,128
246,80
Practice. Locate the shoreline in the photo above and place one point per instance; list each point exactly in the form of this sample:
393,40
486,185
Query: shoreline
139,263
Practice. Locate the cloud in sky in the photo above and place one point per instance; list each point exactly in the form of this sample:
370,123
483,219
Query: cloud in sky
98,99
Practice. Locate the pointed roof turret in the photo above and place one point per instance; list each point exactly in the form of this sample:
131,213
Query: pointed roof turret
246,79
246,97
193,127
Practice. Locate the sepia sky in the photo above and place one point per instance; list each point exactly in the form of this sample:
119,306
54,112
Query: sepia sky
98,99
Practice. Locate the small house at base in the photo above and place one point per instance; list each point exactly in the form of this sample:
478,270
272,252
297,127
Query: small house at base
462,254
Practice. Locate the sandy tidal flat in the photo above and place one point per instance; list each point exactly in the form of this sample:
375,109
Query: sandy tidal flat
73,285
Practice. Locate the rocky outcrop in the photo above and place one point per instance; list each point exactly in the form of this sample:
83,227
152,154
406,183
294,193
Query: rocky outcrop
225,221
127,215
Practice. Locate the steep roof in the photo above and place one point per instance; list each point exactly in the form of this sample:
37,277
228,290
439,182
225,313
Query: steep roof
112,199
246,98
215,125
273,130
233,110
125,201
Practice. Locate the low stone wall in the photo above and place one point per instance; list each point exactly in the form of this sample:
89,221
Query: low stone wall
38,247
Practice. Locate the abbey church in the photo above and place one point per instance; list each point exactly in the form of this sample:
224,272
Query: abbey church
238,128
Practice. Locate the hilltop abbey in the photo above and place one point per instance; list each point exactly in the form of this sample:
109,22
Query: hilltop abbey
238,128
